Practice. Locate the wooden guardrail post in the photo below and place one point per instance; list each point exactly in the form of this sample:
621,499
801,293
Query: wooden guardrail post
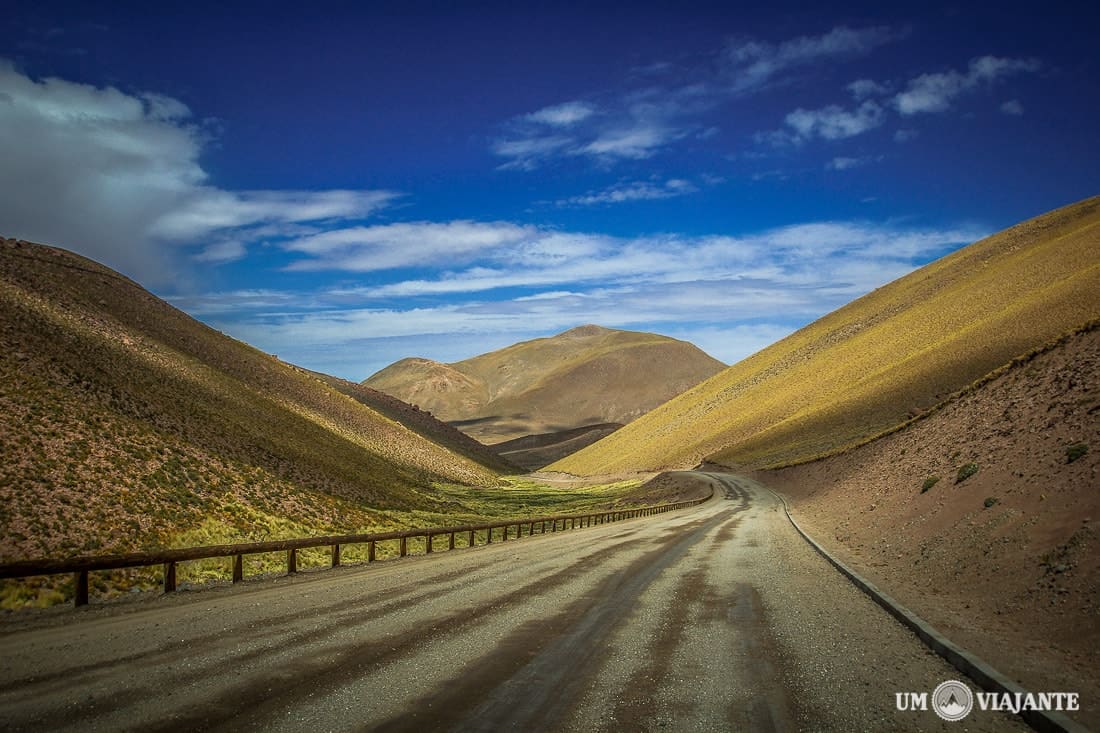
238,568
370,551
403,547
80,581
292,561
335,556
169,577
471,542
428,543
451,542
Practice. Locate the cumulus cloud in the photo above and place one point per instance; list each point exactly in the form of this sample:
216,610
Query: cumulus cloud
930,93
116,176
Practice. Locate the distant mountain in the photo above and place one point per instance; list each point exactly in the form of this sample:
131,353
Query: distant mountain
880,360
127,423
584,376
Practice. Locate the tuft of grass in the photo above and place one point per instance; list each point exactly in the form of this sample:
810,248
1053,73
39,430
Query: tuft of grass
1075,451
990,501
929,483
966,472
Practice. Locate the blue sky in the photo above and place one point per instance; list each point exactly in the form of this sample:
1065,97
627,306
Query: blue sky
348,184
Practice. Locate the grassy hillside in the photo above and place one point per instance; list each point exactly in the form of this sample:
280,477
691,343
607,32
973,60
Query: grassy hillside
128,425
873,364
533,452
584,376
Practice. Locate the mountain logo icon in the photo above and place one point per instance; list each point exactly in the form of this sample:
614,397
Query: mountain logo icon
952,700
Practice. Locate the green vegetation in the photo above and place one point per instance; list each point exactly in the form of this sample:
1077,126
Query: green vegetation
1075,451
990,501
235,521
929,483
860,371
966,471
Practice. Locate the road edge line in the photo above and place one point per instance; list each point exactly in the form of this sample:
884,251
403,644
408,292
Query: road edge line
969,664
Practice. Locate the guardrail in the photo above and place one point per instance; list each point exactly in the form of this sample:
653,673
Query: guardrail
81,566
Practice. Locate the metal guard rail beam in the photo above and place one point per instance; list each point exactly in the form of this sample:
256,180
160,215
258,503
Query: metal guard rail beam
80,566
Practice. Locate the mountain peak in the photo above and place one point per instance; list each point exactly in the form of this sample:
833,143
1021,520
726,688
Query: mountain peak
585,331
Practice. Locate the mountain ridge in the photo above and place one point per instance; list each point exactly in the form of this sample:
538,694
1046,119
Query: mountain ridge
583,376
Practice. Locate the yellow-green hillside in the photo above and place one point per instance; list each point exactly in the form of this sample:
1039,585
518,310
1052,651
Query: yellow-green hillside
879,360
127,425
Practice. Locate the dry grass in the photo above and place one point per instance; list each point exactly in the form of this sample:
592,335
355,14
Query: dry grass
125,422
882,359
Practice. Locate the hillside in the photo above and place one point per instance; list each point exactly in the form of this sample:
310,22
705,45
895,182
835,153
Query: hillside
128,425
533,452
1004,559
424,423
584,376
880,360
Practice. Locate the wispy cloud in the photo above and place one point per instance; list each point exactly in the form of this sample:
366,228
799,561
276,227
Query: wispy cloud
644,121
936,92
628,191
834,122
926,93
753,64
1012,107
844,163
562,115
116,176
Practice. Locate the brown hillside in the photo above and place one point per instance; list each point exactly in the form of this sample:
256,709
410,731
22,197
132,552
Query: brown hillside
126,423
1006,561
533,452
424,423
583,376
871,365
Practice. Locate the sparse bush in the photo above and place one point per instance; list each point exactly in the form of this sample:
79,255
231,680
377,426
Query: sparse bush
990,501
966,472
929,483
1075,451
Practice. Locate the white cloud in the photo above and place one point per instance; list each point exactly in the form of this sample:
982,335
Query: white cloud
389,246
864,88
834,122
753,64
1013,107
640,123
627,191
930,93
509,282
636,141
562,115
843,163
116,176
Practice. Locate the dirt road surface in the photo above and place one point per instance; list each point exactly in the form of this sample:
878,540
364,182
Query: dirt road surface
717,617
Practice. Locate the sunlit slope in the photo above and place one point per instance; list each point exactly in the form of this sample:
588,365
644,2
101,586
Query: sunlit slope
583,376
874,363
126,423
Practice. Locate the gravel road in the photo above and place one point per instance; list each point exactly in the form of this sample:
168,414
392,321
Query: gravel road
717,617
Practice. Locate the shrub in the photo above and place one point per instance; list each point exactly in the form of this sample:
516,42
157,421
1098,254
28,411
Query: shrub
966,472
990,501
929,483
1075,451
